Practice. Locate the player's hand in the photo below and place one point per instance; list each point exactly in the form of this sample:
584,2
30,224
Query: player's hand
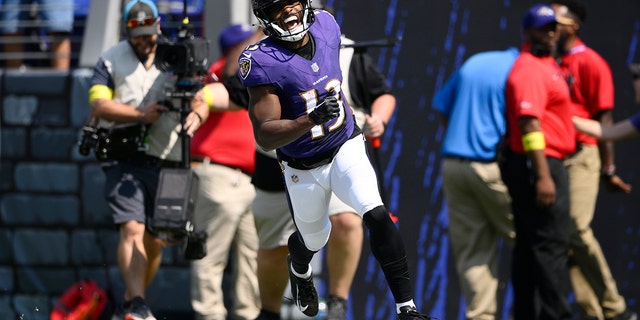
327,110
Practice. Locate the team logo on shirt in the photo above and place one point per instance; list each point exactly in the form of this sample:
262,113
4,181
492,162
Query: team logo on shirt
295,178
525,105
245,67
315,67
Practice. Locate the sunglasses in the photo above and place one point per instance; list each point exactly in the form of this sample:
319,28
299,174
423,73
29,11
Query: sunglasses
140,23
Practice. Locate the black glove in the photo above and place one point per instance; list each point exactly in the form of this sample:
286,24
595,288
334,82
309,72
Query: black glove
327,110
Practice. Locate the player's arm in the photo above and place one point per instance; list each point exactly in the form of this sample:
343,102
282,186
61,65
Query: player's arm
269,130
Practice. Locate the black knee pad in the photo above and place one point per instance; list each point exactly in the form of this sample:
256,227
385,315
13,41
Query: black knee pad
377,217
384,237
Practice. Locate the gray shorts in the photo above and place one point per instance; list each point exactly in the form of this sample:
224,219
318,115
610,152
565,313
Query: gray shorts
130,191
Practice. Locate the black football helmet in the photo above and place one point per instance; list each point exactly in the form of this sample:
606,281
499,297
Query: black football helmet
261,9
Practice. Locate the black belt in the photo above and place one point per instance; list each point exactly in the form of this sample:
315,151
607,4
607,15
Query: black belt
465,159
147,160
579,147
202,160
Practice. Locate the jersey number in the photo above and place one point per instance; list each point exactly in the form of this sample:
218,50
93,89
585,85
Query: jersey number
312,99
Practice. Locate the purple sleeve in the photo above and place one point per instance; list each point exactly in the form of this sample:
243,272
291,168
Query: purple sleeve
247,65
635,121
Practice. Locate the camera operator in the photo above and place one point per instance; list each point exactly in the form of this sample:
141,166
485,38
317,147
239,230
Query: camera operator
126,88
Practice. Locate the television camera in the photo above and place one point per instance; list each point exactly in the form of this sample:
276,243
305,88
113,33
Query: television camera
187,60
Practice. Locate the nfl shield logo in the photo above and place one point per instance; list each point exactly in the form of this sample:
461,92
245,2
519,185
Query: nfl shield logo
315,67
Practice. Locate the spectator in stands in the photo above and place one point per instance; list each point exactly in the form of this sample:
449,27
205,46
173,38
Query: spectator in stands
56,19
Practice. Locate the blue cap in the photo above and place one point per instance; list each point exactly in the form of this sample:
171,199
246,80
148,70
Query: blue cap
538,16
233,35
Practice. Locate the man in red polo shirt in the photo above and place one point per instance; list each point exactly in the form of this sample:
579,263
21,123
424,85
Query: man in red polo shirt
592,95
222,155
539,136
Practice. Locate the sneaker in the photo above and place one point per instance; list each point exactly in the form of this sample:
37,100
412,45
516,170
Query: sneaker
626,315
411,313
337,308
138,310
303,292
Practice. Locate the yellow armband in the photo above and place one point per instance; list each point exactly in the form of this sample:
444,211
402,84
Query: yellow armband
100,91
533,141
207,95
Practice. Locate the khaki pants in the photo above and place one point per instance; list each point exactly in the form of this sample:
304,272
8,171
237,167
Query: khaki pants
594,287
223,209
479,216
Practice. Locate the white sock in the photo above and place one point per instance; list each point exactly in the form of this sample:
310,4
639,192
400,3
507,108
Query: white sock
400,305
306,275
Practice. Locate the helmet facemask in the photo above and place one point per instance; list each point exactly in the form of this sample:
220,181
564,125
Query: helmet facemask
272,28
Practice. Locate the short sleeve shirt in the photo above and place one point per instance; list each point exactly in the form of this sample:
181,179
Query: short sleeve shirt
536,88
591,84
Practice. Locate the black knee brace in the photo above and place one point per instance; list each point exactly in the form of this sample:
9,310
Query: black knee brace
384,237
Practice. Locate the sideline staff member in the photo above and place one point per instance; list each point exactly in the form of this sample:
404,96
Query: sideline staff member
540,135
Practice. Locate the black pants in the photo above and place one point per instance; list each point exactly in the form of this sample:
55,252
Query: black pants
539,267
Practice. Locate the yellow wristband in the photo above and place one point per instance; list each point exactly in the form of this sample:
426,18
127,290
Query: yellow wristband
207,95
533,141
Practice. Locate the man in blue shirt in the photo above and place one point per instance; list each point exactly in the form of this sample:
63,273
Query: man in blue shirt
472,105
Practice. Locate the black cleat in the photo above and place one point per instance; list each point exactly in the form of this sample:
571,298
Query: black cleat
411,313
303,292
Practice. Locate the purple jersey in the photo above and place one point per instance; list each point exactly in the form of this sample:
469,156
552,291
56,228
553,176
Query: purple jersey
303,84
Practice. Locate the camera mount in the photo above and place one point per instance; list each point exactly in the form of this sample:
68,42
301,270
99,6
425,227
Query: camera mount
177,190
